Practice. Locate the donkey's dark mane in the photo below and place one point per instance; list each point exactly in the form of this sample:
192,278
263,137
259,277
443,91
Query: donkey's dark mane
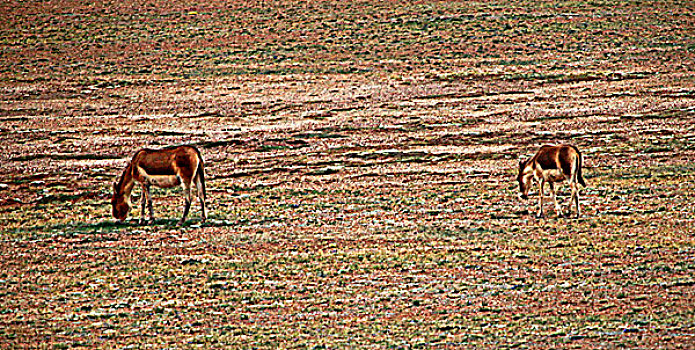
121,180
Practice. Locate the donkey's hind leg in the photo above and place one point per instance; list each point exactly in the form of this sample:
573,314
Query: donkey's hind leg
202,207
575,198
186,208
558,210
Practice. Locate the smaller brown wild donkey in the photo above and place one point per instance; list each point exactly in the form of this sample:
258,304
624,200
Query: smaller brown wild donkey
552,164
165,168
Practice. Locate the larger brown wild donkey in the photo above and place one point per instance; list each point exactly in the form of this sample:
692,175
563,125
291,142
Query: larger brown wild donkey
164,168
552,164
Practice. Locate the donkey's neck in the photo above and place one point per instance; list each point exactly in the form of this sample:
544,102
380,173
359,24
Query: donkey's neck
126,183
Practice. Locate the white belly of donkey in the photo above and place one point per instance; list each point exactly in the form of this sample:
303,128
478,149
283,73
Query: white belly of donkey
163,181
553,175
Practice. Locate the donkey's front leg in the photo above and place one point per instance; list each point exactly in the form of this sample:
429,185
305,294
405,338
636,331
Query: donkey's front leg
143,203
148,196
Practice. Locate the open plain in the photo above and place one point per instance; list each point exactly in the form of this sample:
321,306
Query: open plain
361,161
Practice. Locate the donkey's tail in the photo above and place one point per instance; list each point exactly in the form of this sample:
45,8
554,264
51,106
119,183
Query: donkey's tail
580,178
201,175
